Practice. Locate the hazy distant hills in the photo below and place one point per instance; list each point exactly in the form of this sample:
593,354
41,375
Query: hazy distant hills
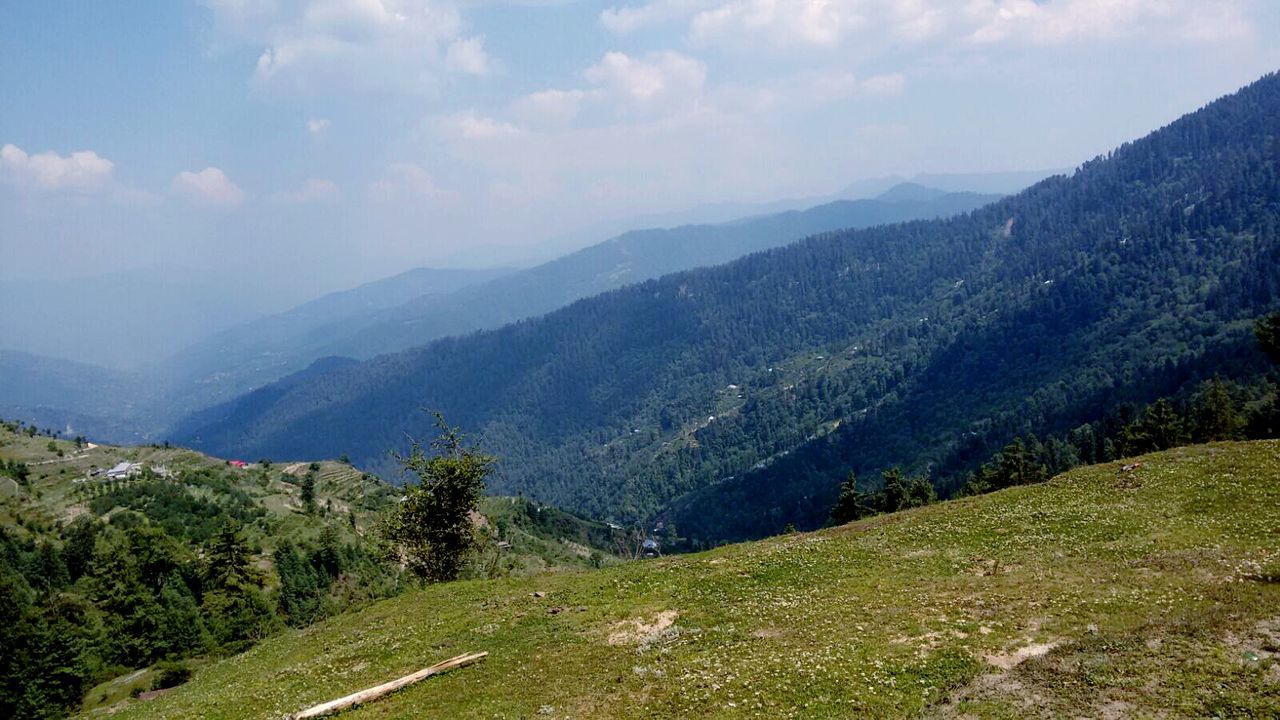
122,320
54,393
166,382
735,398
365,322
228,362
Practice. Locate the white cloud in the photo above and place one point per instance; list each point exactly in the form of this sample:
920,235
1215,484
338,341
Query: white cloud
209,186
746,24
405,182
318,127
315,46
81,171
312,190
659,76
795,22
638,17
467,56
471,126
1052,23
555,107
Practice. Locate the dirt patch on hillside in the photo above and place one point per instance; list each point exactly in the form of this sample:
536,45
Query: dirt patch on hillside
1013,658
639,632
1259,645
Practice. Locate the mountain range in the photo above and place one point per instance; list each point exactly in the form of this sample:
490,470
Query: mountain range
407,310
733,399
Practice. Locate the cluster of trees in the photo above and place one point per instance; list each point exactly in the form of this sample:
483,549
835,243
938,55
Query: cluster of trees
1214,411
319,579
896,493
156,571
29,429
931,343
108,596
114,596
16,470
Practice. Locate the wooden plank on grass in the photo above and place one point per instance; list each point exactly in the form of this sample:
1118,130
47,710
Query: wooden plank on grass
374,693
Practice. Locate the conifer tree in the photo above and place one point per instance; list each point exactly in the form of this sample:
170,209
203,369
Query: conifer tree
309,493
1214,414
851,505
1267,330
230,563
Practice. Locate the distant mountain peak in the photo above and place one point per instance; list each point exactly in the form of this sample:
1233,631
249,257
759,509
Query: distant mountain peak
910,192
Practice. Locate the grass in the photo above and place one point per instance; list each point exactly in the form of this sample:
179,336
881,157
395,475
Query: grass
1098,594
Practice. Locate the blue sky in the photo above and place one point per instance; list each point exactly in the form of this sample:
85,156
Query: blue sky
341,140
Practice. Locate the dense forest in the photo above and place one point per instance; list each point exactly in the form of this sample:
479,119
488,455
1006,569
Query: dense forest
1215,411
735,399
182,559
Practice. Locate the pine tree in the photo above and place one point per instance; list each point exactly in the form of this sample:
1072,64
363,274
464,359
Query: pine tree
851,505
920,492
893,495
1267,330
309,493
300,587
1214,413
1164,426
230,563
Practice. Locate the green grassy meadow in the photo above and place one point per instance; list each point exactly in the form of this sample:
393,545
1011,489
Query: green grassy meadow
1151,593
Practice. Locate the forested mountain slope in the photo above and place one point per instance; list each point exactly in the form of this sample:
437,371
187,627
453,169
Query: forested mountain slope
736,397
243,357
52,392
630,258
225,364
1098,594
406,310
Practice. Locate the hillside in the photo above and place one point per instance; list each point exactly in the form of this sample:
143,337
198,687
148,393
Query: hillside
119,564
733,399
170,380
266,496
61,487
244,357
1150,593
225,363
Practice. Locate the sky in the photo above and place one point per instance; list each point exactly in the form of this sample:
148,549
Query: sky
307,145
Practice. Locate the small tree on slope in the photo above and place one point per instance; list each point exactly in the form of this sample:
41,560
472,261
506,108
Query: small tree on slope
431,531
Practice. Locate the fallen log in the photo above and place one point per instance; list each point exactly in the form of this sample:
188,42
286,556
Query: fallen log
374,693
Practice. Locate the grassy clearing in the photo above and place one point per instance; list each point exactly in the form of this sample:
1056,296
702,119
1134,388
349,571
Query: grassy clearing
60,484
1100,593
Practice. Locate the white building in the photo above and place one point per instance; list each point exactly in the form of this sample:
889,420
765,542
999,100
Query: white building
124,470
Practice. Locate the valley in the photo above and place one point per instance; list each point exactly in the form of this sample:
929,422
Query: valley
926,345
659,359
